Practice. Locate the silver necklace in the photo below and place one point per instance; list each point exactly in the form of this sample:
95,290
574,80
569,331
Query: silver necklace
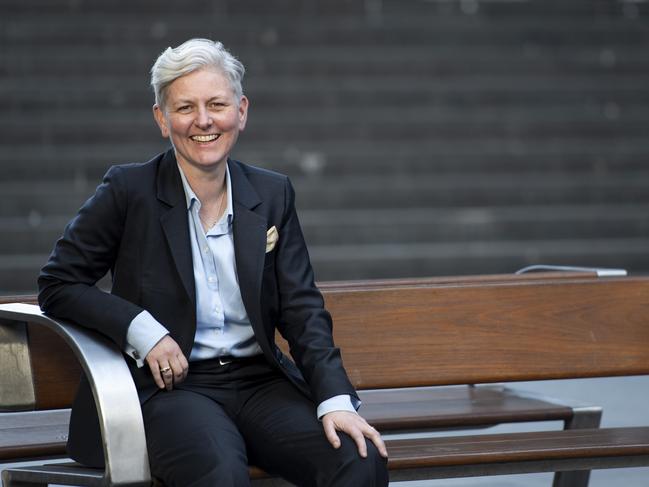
209,223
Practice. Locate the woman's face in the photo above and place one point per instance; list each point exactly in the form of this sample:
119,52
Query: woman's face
202,117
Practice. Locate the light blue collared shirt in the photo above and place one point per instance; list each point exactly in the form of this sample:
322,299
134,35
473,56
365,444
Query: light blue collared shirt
222,324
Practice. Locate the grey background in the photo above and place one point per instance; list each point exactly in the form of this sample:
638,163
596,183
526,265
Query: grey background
424,137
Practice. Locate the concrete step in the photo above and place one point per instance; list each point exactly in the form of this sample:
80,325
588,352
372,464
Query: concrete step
19,272
479,84
575,8
72,29
438,60
466,190
477,190
109,34
31,234
202,7
86,163
357,90
36,234
453,258
21,93
22,199
577,112
411,125
59,127
417,225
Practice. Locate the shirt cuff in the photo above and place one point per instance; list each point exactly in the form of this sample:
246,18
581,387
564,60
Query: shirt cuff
343,402
142,335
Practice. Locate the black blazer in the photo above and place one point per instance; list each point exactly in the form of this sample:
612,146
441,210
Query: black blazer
136,226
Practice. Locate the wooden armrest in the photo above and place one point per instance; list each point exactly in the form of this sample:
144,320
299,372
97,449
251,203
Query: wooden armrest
118,406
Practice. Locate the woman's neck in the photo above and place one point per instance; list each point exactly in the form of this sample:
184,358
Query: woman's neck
208,184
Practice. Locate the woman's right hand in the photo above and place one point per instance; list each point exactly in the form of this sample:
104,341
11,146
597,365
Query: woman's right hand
167,363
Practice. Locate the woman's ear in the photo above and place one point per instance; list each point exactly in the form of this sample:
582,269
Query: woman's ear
161,120
243,112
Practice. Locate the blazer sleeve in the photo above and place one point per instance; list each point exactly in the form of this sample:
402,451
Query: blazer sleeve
303,321
82,256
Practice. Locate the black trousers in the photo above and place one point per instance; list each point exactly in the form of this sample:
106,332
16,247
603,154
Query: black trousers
206,431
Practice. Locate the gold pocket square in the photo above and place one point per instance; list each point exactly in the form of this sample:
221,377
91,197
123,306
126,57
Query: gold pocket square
272,236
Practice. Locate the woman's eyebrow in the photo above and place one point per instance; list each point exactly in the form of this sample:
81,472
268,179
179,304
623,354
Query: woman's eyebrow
217,97
183,101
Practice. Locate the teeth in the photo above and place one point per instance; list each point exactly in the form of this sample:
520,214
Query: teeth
204,138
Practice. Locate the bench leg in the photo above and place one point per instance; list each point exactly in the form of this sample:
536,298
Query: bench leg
576,479
583,418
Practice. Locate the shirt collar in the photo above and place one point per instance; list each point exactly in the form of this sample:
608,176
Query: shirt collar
190,196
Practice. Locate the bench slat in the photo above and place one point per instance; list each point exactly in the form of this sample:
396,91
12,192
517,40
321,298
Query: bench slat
33,434
30,443
444,407
518,447
515,453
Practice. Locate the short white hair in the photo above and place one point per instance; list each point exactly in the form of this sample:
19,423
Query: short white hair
190,56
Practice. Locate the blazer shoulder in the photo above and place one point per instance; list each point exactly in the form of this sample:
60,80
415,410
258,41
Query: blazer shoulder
135,177
137,169
256,173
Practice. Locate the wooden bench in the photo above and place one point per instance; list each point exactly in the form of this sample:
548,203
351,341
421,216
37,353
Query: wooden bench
459,332
44,431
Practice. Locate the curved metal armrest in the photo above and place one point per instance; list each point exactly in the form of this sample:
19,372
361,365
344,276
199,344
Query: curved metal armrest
118,406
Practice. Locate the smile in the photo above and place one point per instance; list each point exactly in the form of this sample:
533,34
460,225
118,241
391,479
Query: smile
204,138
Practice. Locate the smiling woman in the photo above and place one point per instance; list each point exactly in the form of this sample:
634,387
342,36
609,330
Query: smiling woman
208,261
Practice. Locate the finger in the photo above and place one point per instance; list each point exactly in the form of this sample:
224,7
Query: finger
330,432
359,439
157,376
183,361
184,364
375,437
178,373
167,376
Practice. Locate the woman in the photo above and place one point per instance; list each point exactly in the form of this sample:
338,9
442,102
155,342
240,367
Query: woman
207,260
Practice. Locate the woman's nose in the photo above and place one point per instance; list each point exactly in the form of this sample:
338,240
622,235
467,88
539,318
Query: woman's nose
203,119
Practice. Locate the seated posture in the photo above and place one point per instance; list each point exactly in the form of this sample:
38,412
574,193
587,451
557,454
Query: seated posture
208,261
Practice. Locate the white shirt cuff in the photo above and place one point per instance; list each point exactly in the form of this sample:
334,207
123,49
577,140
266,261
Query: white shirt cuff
142,335
343,402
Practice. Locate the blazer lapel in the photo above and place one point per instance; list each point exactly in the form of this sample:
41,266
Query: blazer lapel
249,231
174,220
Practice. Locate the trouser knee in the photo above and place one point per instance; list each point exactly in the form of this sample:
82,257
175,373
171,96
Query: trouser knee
356,471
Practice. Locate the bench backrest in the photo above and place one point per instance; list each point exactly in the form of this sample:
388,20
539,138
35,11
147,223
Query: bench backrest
434,331
492,332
